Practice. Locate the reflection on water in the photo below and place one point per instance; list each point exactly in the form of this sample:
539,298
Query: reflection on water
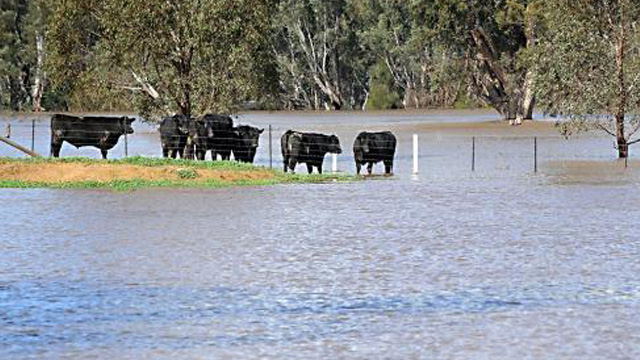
497,264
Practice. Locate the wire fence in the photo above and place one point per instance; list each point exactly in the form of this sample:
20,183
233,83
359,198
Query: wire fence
416,152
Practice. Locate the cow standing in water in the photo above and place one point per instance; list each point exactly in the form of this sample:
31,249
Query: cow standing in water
310,148
98,131
246,143
174,131
372,148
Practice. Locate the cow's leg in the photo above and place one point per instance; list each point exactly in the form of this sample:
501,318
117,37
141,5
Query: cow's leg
358,167
188,149
104,153
200,152
309,167
285,161
319,166
388,167
370,167
56,145
165,151
292,165
179,151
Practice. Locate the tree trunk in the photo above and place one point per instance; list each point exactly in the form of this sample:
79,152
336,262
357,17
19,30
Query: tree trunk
623,147
38,85
529,97
529,100
490,81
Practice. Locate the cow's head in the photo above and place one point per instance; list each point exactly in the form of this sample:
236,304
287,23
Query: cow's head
208,129
334,145
182,123
248,136
199,129
363,144
125,122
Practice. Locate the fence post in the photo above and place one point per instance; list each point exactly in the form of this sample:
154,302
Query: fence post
473,153
334,163
535,154
270,149
33,134
415,154
126,145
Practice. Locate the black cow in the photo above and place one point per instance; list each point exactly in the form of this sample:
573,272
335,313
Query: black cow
99,131
374,147
198,138
223,139
174,131
309,148
246,142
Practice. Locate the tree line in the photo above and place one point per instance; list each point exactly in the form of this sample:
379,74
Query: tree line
577,58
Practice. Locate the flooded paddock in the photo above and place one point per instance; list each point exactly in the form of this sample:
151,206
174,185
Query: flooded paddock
500,263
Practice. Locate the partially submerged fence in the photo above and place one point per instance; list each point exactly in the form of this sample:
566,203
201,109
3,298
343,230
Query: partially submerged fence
415,150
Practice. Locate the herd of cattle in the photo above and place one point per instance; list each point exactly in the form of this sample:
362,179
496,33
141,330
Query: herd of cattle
191,138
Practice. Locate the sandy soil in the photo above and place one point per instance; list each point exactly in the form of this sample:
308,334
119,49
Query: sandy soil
78,172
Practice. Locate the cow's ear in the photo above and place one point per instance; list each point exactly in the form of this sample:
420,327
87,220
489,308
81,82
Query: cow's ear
260,131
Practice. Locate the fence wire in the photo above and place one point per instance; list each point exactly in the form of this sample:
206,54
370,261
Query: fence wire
447,153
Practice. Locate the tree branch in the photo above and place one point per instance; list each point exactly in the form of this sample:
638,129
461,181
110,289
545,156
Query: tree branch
146,87
605,130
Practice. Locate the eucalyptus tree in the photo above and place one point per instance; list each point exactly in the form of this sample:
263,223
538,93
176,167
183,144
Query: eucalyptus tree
173,56
406,37
21,53
385,34
492,37
588,64
319,54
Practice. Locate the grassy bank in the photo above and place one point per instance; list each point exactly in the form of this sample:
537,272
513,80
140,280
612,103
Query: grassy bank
140,172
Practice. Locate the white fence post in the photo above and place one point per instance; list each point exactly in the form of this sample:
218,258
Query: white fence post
334,163
415,154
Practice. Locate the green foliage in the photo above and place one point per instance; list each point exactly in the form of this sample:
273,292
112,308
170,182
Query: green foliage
213,55
588,62
382,95
319,55
186,173
20,20
195,56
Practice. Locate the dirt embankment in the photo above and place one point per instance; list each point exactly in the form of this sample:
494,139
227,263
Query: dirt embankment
80,172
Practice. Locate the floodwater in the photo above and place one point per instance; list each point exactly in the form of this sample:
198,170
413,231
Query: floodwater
500,263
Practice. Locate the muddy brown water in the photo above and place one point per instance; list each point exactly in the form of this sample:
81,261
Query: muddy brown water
501,263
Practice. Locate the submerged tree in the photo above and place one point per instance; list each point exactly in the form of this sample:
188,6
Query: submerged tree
588,64
183,56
